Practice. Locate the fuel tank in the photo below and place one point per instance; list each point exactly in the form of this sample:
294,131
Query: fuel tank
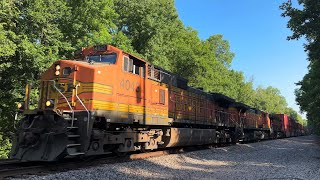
188,137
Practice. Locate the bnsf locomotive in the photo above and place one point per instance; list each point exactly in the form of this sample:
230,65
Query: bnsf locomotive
107,100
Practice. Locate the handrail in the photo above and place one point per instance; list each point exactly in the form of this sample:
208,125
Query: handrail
229,117
72,111
15,120
84,108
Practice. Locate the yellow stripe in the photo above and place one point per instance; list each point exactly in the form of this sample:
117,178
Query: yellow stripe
94,87
112,106
103,105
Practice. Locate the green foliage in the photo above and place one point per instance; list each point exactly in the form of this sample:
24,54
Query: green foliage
211,71
87,23
148,23
308,97
270,100
304,22
292,113
33,40
5,146
220,49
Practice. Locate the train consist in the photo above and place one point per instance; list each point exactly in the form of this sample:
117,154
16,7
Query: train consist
107,100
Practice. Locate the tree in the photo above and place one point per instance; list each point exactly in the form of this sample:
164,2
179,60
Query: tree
152,26
242,90
221,49
212,62
293,114
30,41
305,22
90,23
270,100
307,95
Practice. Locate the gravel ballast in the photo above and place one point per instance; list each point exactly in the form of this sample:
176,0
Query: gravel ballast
291,158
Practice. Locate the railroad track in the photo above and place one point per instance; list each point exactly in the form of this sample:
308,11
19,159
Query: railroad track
17,169
14,168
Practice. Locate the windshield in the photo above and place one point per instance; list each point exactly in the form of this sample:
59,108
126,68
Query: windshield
106,58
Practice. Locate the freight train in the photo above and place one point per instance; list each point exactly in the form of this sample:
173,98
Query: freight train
107,100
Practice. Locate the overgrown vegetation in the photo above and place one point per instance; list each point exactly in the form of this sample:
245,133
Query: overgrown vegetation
35,33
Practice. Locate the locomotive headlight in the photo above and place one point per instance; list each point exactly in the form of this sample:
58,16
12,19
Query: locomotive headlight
58,67
49,103
20,106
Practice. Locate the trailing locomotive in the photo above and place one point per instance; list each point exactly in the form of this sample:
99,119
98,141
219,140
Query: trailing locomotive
108,100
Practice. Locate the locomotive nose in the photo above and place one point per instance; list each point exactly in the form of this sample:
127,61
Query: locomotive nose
44,139
30,139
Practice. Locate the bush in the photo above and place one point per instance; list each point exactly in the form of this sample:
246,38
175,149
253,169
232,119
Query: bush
5,146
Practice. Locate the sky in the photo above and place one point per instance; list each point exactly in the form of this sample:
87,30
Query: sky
257,34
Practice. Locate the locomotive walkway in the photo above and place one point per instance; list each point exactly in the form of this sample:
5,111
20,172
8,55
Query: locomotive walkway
291,158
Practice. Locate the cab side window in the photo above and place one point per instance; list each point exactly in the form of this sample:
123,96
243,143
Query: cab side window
127,64
162,96
133,66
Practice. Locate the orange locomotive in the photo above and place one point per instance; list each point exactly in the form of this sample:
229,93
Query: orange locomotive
108,100
285,126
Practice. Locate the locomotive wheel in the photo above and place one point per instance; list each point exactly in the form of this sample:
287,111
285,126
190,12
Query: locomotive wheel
120,154
144,150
